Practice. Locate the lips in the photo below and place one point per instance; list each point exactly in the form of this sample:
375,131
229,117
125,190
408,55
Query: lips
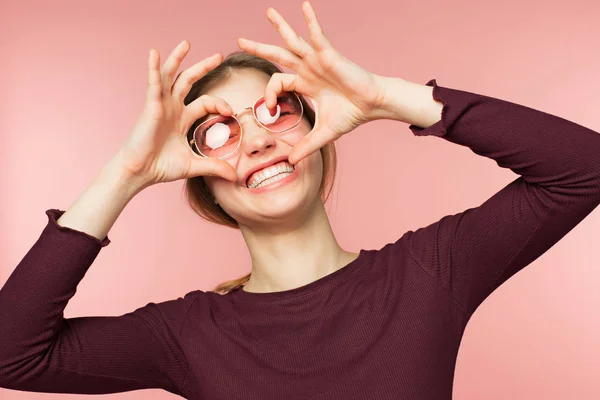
260,166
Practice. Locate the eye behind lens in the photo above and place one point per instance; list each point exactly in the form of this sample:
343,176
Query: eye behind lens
219,135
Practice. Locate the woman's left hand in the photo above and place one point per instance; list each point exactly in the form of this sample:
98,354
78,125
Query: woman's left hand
345,94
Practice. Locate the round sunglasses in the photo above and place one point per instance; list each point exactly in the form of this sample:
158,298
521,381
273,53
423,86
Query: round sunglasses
221,136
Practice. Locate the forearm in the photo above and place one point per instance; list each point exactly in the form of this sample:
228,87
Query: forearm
97,209
408,102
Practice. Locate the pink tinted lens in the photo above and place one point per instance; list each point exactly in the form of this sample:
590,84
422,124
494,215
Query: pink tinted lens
218,137
286,114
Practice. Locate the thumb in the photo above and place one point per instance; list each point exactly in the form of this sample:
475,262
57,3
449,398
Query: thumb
213,167
310,143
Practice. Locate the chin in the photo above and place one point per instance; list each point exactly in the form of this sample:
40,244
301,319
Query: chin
282,205
275,205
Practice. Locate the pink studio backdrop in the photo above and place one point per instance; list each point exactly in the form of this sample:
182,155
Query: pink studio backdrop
73,78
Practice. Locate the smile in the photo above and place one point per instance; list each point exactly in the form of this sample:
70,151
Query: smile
269,174
276,181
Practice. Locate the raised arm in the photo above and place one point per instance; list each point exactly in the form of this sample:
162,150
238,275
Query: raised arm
41,351
473,252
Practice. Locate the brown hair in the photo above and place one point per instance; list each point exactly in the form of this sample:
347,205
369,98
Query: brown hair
197,192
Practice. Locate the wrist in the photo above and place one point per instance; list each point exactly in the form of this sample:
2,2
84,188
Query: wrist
408,102
115,174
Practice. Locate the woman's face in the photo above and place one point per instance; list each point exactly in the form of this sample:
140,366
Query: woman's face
290,200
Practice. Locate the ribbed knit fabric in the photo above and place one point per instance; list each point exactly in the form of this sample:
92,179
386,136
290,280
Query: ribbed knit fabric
386,326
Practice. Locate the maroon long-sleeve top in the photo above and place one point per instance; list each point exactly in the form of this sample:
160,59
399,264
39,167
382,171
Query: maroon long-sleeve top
388,325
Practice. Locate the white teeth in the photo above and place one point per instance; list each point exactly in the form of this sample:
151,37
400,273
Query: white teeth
269,172
275,178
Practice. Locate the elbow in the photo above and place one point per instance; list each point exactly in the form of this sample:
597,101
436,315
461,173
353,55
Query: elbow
17,365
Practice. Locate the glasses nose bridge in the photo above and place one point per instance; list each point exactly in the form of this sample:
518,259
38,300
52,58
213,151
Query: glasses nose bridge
256,121
248,138
243,110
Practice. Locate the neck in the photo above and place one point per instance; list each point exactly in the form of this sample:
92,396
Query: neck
290,255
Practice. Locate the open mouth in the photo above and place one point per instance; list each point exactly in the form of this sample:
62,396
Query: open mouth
269,175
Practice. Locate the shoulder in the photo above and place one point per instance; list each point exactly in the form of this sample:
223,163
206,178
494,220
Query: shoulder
171,312
393,251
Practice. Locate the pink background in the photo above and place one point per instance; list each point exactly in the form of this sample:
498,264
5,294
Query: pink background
73,77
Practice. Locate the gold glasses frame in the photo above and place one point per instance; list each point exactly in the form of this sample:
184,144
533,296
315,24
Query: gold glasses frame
194,143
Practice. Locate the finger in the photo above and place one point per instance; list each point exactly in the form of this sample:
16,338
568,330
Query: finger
202,166
306,43
184,81
154,84
288,34
310,143
172,64
316,33
278,83
205,105
270,52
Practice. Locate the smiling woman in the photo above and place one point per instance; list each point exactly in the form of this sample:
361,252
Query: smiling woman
197,192
312,321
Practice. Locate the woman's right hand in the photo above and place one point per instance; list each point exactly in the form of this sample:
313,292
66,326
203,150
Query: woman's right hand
157,149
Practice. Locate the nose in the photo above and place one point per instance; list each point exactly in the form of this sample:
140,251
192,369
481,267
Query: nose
256,138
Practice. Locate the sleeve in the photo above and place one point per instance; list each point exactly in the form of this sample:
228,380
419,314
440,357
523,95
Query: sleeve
472,253
40,351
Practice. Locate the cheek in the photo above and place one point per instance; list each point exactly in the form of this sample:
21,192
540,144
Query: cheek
216,184
312,167
295,135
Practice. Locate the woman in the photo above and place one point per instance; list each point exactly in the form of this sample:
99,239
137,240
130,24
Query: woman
313,320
